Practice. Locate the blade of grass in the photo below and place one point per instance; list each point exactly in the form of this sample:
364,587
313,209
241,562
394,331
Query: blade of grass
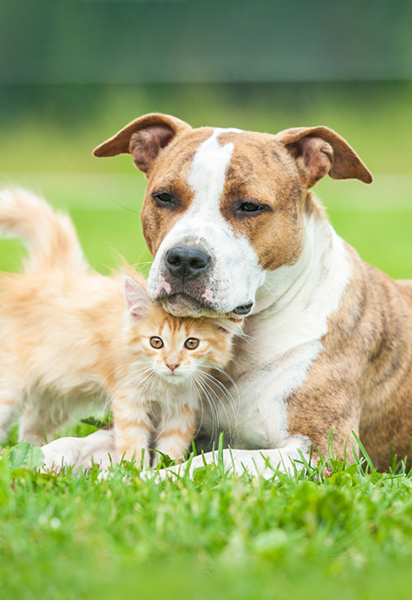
365,454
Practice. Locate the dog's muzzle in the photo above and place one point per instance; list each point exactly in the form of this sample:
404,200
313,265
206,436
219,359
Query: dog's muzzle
189,279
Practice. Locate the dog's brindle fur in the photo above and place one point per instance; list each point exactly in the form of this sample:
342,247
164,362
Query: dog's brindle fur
357,369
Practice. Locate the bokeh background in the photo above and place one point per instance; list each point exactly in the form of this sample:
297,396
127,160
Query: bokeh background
73,72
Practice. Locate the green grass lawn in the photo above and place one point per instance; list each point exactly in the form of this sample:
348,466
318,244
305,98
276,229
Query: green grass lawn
84,536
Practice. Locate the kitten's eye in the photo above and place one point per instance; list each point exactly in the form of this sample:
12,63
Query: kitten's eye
250,207
191,343
156,342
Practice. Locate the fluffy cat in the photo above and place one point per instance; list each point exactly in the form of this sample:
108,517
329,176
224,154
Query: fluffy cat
72,338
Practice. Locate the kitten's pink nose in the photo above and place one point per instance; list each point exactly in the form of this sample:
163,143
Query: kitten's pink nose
172,367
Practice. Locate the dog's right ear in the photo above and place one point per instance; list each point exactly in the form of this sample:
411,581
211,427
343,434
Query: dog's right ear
143,138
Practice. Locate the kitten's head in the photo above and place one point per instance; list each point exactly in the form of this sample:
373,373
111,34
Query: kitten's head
175,348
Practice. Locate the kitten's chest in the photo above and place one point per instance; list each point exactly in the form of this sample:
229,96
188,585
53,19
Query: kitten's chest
167,400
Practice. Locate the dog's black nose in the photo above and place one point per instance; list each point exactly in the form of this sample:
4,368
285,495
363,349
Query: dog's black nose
186,262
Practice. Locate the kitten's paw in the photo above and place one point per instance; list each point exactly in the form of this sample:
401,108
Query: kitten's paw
139,458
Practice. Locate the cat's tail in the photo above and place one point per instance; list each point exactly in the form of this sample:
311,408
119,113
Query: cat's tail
50,236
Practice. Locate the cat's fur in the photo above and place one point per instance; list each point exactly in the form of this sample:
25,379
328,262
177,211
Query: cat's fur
70,338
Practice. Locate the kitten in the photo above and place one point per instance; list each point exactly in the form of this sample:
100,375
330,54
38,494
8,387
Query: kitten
71,338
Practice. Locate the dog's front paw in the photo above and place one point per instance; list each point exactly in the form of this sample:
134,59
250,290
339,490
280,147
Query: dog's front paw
58,454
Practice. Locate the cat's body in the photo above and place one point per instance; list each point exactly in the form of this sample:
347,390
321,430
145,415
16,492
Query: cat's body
68,343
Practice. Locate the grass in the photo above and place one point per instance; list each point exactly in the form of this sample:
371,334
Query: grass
84,536
65,536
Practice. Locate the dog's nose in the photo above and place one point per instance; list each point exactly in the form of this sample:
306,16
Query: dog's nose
187,262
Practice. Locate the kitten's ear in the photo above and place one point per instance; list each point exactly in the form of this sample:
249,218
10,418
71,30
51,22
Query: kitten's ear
137,300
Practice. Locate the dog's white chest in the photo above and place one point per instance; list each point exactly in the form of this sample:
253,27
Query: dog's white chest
257,415
283,340
262,415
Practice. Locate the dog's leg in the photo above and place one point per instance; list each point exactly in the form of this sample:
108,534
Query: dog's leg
258,463
98,448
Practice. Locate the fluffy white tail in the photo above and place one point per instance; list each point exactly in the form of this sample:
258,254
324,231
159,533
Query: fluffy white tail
50,237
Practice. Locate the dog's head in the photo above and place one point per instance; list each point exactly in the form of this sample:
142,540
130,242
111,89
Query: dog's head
223,206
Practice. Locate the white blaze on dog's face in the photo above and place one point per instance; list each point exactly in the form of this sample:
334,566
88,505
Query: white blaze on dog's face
224,206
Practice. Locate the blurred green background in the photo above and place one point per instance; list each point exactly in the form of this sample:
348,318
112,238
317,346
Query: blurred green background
73,73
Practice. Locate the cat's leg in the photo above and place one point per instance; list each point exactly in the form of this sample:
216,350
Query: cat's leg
12,395
47,412
36,424
10,408
31,428
175,433
133,428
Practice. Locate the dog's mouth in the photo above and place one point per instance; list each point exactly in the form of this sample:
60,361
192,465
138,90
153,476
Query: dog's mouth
243,310
183,305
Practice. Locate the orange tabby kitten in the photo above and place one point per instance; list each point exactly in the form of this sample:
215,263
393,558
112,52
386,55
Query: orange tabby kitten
71,338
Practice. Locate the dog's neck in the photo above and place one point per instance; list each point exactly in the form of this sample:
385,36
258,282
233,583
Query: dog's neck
281,286
299,299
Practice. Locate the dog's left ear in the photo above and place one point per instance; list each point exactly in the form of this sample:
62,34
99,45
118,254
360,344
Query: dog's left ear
320,150
143,138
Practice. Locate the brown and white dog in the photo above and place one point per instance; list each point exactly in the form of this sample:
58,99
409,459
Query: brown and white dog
234,230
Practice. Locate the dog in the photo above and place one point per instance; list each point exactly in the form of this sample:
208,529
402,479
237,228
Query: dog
234,229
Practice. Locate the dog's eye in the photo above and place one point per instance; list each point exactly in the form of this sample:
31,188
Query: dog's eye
156,342
164,197
250,207
191,343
